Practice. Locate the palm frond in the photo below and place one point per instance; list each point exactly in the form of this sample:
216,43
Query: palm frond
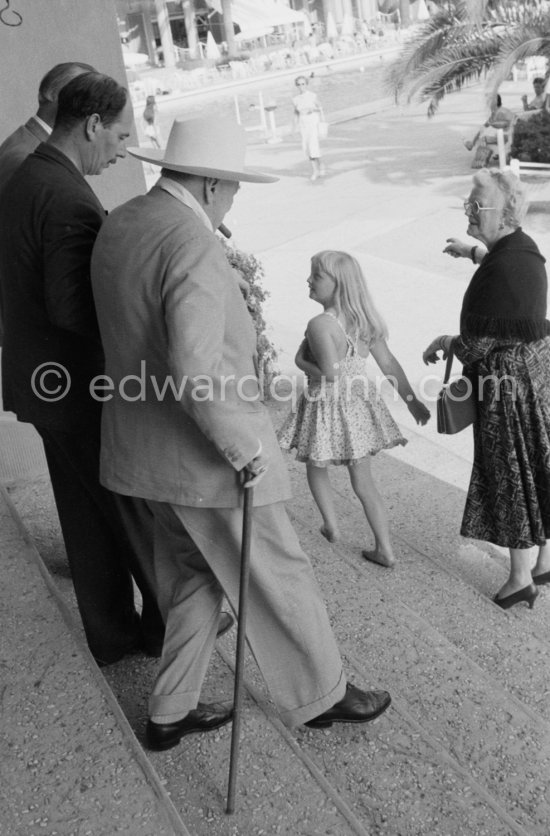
466,40
463,59
523,43
431,39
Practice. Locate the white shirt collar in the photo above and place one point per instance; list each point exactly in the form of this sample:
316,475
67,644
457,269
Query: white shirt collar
43,125
184,196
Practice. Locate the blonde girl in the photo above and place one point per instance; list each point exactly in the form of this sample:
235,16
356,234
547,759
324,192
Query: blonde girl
341,418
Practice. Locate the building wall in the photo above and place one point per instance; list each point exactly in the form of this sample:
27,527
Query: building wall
37,34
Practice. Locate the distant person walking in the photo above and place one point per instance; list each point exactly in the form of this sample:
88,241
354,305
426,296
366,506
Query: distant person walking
150,121
342,419
307,116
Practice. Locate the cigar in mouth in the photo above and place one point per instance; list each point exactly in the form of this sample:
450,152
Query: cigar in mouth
225,231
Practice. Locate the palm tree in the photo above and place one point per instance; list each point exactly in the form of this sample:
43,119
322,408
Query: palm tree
465,40
229,29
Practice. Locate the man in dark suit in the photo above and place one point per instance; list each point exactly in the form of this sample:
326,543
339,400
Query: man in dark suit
38,128
49,219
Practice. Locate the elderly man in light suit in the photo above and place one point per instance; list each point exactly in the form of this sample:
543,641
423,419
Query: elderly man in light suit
183,427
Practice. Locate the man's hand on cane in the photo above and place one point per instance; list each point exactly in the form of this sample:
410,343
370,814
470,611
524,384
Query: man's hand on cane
255,470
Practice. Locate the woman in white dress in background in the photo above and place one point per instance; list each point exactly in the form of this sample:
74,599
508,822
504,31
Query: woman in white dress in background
307,116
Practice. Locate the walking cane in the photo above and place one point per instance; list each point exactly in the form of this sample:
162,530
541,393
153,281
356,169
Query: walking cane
241,636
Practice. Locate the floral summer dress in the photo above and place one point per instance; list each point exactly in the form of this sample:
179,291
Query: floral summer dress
340,422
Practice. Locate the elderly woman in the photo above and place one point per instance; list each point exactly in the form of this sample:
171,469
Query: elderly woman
504,344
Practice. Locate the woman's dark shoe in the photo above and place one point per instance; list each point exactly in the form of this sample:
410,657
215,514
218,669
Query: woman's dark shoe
356,707
204,717
528,593
541,579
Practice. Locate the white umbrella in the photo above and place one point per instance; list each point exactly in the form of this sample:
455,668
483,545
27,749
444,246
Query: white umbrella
422,12
348,25
212,50
308,29
332,31
134,59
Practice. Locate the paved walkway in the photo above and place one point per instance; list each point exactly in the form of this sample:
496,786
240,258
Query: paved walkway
464,749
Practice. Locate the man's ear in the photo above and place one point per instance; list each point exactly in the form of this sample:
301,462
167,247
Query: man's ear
92,124
210,184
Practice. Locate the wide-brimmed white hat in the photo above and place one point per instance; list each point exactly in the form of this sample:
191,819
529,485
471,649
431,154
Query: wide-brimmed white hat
206,146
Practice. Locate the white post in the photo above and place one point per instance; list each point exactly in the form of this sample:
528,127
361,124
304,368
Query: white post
501,149
270,108
263,123
237,111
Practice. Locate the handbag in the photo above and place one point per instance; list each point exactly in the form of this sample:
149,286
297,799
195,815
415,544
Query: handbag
456,403
322,126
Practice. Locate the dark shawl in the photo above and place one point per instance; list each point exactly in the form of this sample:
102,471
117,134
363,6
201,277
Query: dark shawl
506,297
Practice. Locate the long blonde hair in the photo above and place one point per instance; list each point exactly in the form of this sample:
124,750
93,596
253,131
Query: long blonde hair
351,296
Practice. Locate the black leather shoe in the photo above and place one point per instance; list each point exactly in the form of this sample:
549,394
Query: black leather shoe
132,650
356,707
225,623
205,717
540,580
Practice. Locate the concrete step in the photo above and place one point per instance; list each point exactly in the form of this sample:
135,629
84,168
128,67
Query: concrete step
69,763
469,674
458,752
463,745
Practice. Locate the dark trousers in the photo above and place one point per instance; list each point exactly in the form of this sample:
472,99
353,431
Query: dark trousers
103,556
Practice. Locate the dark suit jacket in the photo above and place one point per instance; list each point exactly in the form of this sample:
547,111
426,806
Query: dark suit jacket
13,151
49,220
19,145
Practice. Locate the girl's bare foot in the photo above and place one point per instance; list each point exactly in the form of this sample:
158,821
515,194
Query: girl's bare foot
377,557
332,535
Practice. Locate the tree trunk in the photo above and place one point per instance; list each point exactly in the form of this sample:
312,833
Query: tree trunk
229,31
328,6
168,51
191,28
405,12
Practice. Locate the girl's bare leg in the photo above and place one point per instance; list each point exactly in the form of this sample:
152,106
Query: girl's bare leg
367,493
321,490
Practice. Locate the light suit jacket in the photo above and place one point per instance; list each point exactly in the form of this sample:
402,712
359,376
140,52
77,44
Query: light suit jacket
170,311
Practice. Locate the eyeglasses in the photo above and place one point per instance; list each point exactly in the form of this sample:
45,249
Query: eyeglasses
472,207
300,84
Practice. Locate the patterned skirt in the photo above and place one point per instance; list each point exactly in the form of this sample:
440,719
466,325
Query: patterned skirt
339,423
508,499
